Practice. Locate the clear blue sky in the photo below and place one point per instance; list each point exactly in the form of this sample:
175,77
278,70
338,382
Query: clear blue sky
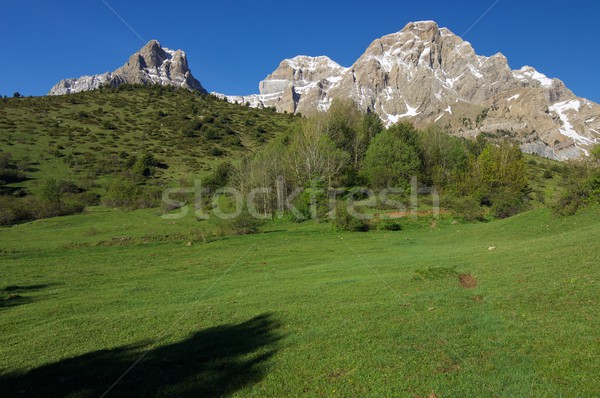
232,45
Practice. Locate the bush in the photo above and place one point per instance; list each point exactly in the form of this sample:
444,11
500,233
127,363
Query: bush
13,210
344,221
582,181
506,204
214,151
245,224
389,225
467,208
123,192
313,202
220,177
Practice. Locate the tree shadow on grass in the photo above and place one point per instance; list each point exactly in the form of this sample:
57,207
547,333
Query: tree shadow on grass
12,296
214,362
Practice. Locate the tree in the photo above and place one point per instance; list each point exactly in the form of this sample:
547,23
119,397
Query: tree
444,157
498,178
313,153
502,166
369,127
51,193
341,123
582,181
17,95
391,161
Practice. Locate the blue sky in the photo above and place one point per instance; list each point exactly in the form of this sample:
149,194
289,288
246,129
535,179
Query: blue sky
232,45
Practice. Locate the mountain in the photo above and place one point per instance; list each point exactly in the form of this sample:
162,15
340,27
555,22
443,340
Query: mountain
153,64
426,74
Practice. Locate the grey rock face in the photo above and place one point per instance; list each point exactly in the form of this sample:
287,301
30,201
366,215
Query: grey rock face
427,74
153,64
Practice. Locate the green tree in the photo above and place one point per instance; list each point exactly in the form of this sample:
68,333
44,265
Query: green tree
313,153
582,181
122,192
370,126
445,157
145,165
51,193
497,177
391,161
502,166
341,123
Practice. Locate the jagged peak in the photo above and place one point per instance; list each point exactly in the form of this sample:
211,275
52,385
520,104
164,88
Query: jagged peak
152,64
152,44
420,25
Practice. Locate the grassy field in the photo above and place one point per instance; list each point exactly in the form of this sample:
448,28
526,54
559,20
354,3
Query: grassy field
300,310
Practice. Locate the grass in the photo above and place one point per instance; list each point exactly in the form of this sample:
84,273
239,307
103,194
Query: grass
300,310
87,137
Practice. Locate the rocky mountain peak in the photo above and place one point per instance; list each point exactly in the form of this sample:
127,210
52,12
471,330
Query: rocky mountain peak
152,64
427,74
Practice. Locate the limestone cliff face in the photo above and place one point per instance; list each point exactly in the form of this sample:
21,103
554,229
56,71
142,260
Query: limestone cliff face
427,74
153,64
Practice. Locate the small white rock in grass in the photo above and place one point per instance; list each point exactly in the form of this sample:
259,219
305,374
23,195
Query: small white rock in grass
492,248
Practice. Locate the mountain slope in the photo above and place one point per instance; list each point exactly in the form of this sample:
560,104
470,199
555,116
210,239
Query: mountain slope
427,74
88,137
153,64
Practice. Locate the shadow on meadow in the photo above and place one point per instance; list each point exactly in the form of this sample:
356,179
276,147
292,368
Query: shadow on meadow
12,296
211,363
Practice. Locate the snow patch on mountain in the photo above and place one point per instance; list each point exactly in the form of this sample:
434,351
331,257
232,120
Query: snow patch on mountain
567,129
529,73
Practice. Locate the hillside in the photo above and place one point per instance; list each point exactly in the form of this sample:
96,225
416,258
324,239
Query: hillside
89,137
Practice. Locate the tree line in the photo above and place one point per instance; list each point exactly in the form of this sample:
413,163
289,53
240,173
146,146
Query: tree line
346,148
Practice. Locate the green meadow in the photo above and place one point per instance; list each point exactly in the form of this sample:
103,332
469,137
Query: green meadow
130,304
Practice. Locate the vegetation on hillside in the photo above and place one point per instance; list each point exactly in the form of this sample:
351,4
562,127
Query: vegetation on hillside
122,147
582,179
119,146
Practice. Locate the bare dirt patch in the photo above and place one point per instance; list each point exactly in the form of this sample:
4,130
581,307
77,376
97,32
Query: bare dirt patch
467,281
402,214
337,374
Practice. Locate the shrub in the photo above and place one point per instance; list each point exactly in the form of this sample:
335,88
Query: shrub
220,177
13,210
467,208
123,192
245,224
582,181
389,225
214,151
344,221
506,203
